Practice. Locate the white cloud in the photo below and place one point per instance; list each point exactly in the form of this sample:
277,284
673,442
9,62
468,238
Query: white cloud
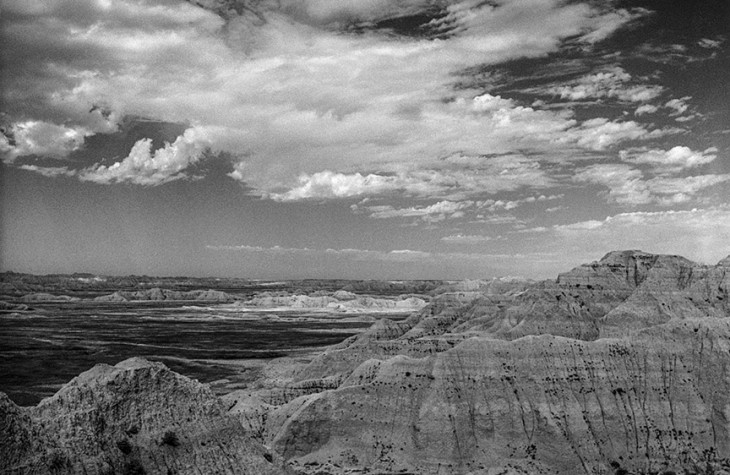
431,214
611,83
627,185
40,138
710,43
306,110
454,177
600,134
673,160
144,167
49,171
467,239
699,234
645,109
680,105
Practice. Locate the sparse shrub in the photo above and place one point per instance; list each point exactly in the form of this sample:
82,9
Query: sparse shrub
58,461
124,446
268,457
132,430
170,438
134,467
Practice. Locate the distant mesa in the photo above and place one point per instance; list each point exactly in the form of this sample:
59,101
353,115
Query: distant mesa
157,294
12,307
341,301
45,297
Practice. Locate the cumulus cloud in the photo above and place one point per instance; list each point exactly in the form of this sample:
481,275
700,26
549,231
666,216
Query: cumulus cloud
144,167
646,109
612,83
679,106
673,160
307,111
454,177
600,133
40,138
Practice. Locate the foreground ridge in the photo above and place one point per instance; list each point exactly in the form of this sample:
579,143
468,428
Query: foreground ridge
617,366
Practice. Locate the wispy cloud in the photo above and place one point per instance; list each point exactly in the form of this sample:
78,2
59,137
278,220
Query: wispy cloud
431,214
702,234
627,185
396,255
468,238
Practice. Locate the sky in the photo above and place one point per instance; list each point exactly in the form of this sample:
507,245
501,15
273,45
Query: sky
361,139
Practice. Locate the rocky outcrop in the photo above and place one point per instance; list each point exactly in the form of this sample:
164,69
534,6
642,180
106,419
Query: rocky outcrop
649,402
158,294
135,417
46,297
13,307
340,301
618,366
528,379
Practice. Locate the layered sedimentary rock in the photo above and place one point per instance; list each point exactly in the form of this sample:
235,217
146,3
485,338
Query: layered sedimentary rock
46,297
339,301
483,379
158,294
650,401
620,364
135,417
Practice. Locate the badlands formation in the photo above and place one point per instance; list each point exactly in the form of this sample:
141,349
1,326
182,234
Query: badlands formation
618,366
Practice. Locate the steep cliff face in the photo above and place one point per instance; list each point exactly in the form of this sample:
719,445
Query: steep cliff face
648,402
529,376
135,417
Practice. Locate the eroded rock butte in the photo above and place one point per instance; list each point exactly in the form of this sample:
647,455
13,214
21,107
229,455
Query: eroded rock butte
618,366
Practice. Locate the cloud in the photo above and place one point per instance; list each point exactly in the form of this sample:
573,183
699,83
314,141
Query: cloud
611,83
710,43
674,160
627,185
599,134
306,110
454,177
144,167
467,239
608,23
40,138
431,214
680,105
699,234
645,109
49,171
